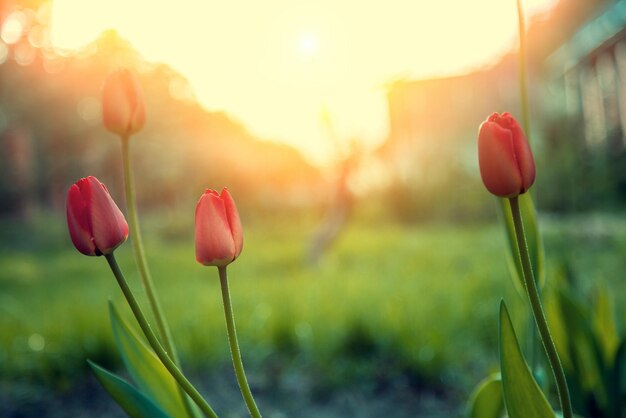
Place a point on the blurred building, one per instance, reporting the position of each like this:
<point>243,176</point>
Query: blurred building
<point>592,68</point>
<point>428,116</point>
<point>576,63</point>
<point>434,109</point>
<point>589,70</point>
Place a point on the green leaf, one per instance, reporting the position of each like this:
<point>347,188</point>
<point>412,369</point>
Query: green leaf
<point>617,379</point>
<point>585,367</point>
<point>604,326</point>
<point>133,402</point>
<point>533,241</point>
<point>145,368</point>
<point>487,401</point>
<point>620,368</point>
<point>585,351</point>
<point>522,395</point>
<point>558,329</point>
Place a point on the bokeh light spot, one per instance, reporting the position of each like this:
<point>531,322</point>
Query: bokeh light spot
<point>4,52</point>
<point>89,109</point>
<point>25,54</point>
<point>13,27</point>
<point>36,342</point>
<point>38,36</point>
<point>180,89</point>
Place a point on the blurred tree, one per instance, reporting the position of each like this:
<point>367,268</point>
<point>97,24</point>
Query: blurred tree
<point>51,132</point>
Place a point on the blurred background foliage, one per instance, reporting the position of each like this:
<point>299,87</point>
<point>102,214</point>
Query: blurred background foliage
<point>51,133</point>
<point>400,305</point>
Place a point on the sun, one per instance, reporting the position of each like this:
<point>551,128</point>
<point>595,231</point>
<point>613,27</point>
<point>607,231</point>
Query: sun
<point>276,65</point>
<point>307,45</point>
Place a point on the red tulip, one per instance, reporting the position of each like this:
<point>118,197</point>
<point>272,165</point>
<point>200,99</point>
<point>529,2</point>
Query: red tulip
<point>506,162</point>
<point>123,109</point>
<point>95,222</point>
<point>219,235</point>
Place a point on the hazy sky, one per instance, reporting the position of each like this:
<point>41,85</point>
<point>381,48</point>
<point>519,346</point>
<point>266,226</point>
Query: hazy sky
<point>275,64</point>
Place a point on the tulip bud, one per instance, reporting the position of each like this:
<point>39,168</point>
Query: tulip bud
<point>95,222</point>
<point>219,235</point>
<point>506,162</point>
<point>123,109</point>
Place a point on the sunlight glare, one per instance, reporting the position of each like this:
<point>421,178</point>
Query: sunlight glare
<point>267,66</point>
<point>307,45</point>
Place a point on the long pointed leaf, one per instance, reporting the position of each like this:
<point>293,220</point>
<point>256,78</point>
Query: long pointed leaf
<point>133,402</point>
<point>558,329</point>
<point>604,326</point>
<point>533,241</point>
<point>522,395</point>
<point>487,400</point>
<point>585,350</point>
<point>617,377</point>
<point>145,368</point>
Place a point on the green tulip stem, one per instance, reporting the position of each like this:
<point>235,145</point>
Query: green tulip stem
<point>538,313</point>
<point>154,341</point>
<point>142,265</point>
<point>234,346</point>
<point>523,73</point>
<point>140,256</point>
<point>523,92</point>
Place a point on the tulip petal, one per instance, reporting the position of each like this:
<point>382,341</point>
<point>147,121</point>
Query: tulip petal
<point>108,225</point>
<point>234,221</point>
<point>134,98</point>
<point>78,222</point>
<point>523,154</point>
<point>115,107</point>
<point>123,110</point>
<point>214,242</point>
<point>496,156</point>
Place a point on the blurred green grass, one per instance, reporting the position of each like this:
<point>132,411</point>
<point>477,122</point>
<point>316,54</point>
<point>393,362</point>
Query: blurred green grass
<point>389,299</point>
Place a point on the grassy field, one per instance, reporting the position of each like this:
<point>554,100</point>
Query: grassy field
<point>390,303</point>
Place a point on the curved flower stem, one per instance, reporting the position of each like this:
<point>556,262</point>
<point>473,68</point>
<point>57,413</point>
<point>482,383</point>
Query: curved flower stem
<point>234,346</point>
<point>538,313</point>
<point>523,92</point>
<point>533,346</point>
<point>523,73</point>
<point>142,265</point>
<point>154,341</point>
<point>140,256</point>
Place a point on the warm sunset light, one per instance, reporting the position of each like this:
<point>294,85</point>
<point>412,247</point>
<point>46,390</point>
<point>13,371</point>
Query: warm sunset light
<point>308,208</point>
<point>307,45</point>
<point>274,65</point>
